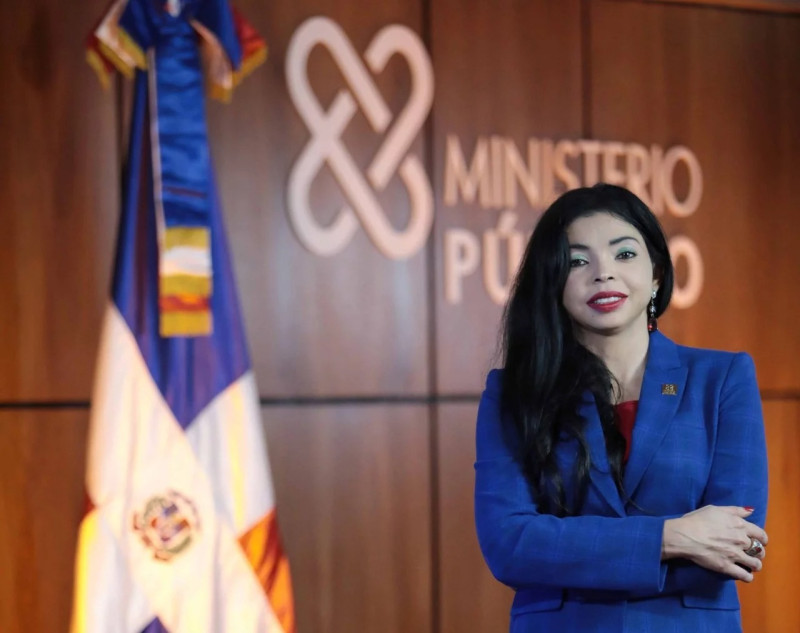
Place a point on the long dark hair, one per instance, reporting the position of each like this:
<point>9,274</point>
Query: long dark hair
<point>546,370</point>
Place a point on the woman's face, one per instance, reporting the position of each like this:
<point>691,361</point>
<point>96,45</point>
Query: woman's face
<point>610,280</point>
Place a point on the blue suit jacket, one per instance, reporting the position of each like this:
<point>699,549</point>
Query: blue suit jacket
<point>698,440</point>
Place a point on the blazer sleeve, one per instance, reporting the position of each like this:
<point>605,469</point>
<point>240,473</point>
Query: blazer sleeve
<point>523,547</point>
<point>738,475</point>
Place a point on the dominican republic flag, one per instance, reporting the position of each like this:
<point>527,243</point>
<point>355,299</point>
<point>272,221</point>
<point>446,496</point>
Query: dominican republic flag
<point>180,533</point>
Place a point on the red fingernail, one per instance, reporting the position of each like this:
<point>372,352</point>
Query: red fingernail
<point>749,508</point>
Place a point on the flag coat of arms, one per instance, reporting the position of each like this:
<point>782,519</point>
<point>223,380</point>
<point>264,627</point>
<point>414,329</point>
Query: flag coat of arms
<point>180,533</point>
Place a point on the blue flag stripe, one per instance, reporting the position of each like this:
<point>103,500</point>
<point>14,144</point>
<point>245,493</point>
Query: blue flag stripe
<point>155,627</point>
<point>189,372</point>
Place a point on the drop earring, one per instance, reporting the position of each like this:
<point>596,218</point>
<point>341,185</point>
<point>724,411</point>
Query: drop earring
<point>652,322</point>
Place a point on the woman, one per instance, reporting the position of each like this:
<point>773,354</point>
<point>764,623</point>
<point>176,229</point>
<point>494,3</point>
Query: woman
<point>621,479</point>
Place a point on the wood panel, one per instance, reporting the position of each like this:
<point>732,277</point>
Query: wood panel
<point>41,504</point>
<point>776,6</point>
<point>353,495</point>
<point>58,200</point>
<point>351,323</point>
<point>510,69</point>
<point>471,600</point>
<point>657,77</point>
<point>769,605</point>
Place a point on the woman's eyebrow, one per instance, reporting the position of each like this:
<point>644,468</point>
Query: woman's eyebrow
<point>616,240</point>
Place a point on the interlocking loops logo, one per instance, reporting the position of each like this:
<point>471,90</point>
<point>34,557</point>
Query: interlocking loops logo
<point>325,144</point>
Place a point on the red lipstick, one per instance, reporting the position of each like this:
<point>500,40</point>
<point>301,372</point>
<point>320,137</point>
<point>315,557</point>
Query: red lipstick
<point>606,301</point>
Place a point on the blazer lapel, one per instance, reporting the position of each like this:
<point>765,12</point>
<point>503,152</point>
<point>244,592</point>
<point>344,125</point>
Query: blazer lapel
<point>662,389</point>
<point>600,472</point>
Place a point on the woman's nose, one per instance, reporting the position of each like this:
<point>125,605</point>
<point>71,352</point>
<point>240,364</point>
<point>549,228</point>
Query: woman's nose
<point>603,269</point>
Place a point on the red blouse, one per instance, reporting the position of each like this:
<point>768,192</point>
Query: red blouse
<point>625,413</point>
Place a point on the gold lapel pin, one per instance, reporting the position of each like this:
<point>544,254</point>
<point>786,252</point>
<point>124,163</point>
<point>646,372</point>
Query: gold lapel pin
<point>669,389</point>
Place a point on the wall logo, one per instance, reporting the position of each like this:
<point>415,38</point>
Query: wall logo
<point>326,147</point>
<point>509,180</point>
<point>167,524</point>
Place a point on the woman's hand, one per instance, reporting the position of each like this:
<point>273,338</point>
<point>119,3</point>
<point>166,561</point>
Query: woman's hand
<point>715,537</point>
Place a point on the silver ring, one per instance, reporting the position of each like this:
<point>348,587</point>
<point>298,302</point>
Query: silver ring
<point>755,547</point>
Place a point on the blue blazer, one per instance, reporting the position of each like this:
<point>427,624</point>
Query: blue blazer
<point>698,440</point>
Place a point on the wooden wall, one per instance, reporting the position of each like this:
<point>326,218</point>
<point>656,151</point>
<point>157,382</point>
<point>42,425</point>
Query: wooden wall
<point>369,377</point>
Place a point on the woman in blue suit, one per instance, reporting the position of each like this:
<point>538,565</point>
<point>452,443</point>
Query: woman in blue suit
<point>621,479</point>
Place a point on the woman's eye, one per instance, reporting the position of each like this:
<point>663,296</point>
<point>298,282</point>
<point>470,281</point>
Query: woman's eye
<point>626,255</point>
<point>575,263</point>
